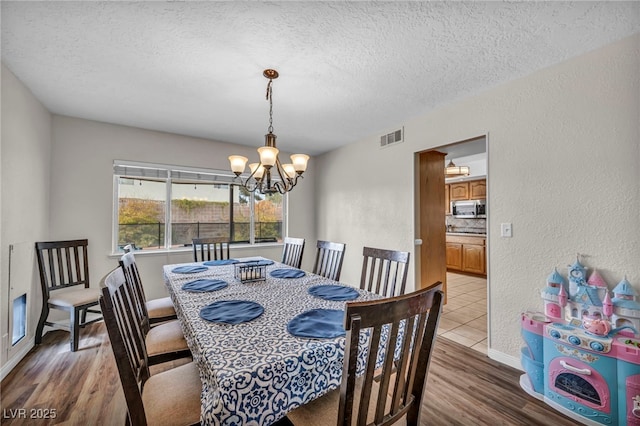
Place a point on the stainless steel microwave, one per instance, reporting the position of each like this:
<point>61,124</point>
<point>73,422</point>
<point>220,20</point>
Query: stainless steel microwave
<point>469,209</point>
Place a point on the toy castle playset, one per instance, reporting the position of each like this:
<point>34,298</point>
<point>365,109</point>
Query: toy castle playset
<point>582,355</point>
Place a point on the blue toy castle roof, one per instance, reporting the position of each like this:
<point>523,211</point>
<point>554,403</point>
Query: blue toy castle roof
<point>625,303</point>
<point>555,277</point>
<point>577,265</point>
<point>554,291</point>
<point>587,295</point>
<point>624,287</point>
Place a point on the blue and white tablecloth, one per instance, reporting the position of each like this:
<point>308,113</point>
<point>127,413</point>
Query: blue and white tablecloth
<point>253,373</point>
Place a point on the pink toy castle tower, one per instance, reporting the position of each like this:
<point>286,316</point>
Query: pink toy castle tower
<point>555,296</point>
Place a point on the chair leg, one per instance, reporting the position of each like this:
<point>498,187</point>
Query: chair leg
<point>43,318</point>
<point>75,329</point>
<point>83,316</point>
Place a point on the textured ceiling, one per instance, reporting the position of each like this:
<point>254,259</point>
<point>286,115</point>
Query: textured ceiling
<point>348,70</point>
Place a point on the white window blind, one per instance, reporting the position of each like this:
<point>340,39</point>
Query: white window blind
<point>154,171</point>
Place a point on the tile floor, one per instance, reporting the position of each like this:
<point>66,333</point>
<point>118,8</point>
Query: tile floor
<point>464,317</point>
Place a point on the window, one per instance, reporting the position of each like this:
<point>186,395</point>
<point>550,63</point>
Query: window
<point>159,207</point>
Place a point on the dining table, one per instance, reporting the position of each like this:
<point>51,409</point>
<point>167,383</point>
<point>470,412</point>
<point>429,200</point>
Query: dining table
<point>263,347</point>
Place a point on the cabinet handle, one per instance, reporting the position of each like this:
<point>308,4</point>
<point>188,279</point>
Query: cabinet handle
<point>584,371</point>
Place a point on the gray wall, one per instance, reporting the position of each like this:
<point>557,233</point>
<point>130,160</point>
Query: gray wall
<point>25,152</point>
<point>563,157</point>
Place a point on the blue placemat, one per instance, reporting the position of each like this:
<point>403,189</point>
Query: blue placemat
<point>334,292</point>
<point>318,323</point>
<point>258,262</point>
<point>205,285</point>
<point>220,262</point>
<point>231,311</point>
<point>189,269</point>
<point>287,273</point>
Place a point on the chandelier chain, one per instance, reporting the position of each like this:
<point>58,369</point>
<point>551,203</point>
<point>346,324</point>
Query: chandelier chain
<point>270,99</point>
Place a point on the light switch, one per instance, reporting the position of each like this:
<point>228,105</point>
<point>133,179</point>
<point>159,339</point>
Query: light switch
<point>505,230</point>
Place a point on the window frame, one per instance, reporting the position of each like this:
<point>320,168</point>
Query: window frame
<point>146,171</point>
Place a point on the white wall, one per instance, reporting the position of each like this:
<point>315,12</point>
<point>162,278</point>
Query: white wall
<point>82,188</point>
<point>25,151</point>
<point>563,157</point>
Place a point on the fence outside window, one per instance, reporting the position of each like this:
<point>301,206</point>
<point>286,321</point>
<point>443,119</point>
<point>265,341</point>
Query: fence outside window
<point>151,235</point>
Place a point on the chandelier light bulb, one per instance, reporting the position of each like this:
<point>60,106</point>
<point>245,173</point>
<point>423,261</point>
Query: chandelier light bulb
<point>289,170</point>
<point>268,155</point>
<point>238,163</point>
<point>300,162</point>
<point>257,170</point>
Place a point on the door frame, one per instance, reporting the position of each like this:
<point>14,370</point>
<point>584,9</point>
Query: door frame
<point>422,274</point>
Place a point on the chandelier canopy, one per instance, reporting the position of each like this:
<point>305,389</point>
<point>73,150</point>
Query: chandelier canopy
<point>260,180</point>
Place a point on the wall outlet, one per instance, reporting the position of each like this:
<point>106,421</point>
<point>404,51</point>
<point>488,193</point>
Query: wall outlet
<point>505,230</point>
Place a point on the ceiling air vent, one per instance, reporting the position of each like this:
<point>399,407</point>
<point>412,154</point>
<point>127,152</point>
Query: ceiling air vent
<point>391,138</point>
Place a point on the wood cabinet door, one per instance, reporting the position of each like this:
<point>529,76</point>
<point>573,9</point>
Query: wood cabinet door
<point>447,201</point>
<point>454,256</point>
<point>477,189</point>
<point>459,191</point>
<point>473,258</point>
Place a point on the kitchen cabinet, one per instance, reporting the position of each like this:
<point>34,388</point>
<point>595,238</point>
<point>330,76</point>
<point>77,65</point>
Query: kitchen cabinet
<point>459,191</point>
<point>478,189</point>
<point>467,190</point>
<point>473,258</point>
<point>466,254</point>
<point>454,256</point>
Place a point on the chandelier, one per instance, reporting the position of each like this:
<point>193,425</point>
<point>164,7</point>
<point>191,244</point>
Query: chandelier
<point>454,171</point>
<point>260,180</point>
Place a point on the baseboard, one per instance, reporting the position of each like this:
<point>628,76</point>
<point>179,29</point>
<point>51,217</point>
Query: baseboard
<point>503,358</point>
<point>15,359</point>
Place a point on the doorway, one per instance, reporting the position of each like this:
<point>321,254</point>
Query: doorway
<point>465,314</point>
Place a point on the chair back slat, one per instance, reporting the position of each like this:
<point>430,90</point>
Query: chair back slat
<point>388,368</point>
<point>402,366</point>
<point>406,327</point>
<point>127,341</point>
<point>292,251</point>
<point>329,259</point>
<point>384,272</point>
<point>209,249</point>
<point>132,277</point>
<point>62,264</point>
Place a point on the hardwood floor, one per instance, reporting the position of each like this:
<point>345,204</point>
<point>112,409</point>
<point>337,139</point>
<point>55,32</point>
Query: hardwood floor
<point>464,387</point>
<point>82,388</point>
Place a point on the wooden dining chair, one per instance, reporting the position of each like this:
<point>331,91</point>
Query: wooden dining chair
<point>394,381</point>
<point>164,341</point>
<point>329,259</point>
<point>158,310</point>
<point>169,397</point>
<point>64,279</point>
<point>384,271</point>
<point>209,249</point>
<point>292,251</point>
